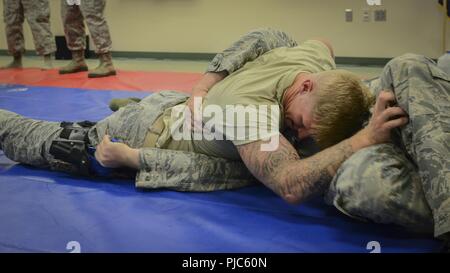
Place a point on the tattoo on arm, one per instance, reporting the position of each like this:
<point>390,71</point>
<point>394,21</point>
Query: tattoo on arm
<point>283,172</point>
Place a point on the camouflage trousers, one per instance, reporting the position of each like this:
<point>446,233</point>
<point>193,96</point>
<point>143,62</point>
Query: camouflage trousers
<point>73,20</point>
<point>423,90</point>
<point>28,141</point>
<point>37,13</point>
<point>406,183</point>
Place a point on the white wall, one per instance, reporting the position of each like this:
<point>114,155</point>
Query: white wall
<point>210,25</point>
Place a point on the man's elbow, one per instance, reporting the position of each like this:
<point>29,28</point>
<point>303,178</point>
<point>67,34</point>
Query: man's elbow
<point>292,199</point>
<point>290,194</point>
<point>289,189</point>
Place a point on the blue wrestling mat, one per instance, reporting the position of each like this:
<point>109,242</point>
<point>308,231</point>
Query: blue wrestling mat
<point>44,211</point>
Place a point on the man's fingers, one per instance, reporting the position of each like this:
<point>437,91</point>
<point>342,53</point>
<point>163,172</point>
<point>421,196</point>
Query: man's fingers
<point>106,139</point>
<point>391,113</point>
<point>99,158</point>
<point>396,123</point>
<point>384,100</point>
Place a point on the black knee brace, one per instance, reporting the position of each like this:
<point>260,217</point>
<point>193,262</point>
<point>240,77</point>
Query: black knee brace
<point>72,146</point>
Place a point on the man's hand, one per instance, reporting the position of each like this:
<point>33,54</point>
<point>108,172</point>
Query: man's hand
<point>385,118</point>
<point>200,90</point>
<point>115,155</point>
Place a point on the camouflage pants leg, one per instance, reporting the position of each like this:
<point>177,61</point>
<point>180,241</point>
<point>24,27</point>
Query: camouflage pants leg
<point>248,48</point>
<point>26,140</point>
<point>13,16</point>
<point>37,13</point>
<point>93,12</point>
<point>423,90</point>
<point>73,22</point>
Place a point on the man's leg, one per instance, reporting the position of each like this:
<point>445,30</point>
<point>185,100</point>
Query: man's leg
<point>59,146</point>
<point>37,13</point>
<point>93,11</point>
<point>72,19</point>
<point>26,140</point>
<point>423,91</point>
<point>380,184</point>
<point>13,17</point>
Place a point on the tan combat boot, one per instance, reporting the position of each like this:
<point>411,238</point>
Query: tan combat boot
<point>16,63</point>
<point>105,68</point>
<point>76,65</point>
<point>115,104</point>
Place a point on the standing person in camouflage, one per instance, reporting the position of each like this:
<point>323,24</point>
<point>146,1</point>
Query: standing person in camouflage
<point>73,15</point>
<point>37,13</point>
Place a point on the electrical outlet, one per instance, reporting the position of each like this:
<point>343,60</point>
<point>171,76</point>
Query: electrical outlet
<point>366,15</point>
<point>373,2</point>
<point>380,15</point>
<point>348,15</point>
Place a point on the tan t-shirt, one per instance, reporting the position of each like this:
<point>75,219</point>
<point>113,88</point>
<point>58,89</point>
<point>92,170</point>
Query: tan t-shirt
<point>247,105</point>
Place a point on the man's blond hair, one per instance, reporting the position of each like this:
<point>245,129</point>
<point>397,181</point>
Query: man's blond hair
<point>342,104</point>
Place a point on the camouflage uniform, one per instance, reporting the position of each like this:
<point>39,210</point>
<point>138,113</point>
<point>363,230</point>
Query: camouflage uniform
<point>37,13</point>
<point>28,141</point>
<point>248,48</point>
<point>92,11</point>
<point>407,183</point>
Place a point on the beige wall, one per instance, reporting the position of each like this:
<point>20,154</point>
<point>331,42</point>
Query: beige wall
<point>210,25</point>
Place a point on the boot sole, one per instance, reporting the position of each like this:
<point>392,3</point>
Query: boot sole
<point>112,73</point>
<point>81,69</point>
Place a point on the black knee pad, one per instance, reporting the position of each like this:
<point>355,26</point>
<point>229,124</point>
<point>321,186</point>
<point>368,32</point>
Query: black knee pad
<point>72,147</point>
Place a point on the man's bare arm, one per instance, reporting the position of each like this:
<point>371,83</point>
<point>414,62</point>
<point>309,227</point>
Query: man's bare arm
<point>208,80</point>
<point>291,178</point>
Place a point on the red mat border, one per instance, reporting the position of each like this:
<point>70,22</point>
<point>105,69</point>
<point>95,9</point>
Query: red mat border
<point>147,81</point>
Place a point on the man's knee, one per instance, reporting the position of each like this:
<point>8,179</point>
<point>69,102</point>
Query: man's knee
<point>403,67</point>
<point>409,59</point>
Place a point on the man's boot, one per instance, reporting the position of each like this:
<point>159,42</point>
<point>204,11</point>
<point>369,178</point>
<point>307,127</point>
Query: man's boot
<point>105,68</point>
<point>47,62</point>
<point>76,65</point>
<point>115,104</point>
<point>16,63</point>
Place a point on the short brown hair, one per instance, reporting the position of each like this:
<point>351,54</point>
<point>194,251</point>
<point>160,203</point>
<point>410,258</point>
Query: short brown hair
<point>341,107</point>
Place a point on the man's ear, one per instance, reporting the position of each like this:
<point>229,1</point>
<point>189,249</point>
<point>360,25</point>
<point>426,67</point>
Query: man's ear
<point>307,86</point>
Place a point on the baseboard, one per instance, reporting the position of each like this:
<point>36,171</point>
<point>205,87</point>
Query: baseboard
<point>362,61</point>
<point>209,56</point>
<point>4,52</point>
<point>165,55</point>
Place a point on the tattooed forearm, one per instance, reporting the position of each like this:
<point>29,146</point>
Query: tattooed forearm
<point>312,176</point>
<point>287,175</point>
